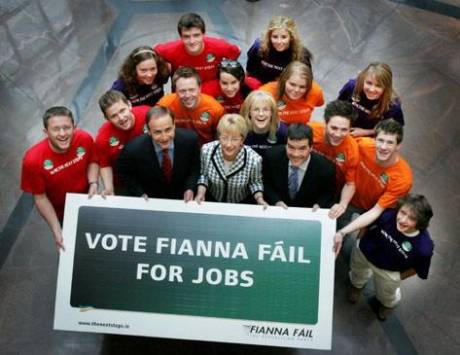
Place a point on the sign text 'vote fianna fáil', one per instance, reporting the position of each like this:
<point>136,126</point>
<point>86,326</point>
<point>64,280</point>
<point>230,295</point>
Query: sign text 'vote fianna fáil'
<point>216,272</point>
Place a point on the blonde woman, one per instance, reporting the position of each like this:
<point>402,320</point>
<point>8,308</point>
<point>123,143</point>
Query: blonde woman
<point>296,93</point>
<point>230,171</point>
<point>373,98</point>
<point>265,129</point>
<point>279,46</point>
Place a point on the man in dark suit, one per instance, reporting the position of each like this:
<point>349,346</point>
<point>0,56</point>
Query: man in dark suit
<point>295,176</point>
<point>164,163</point>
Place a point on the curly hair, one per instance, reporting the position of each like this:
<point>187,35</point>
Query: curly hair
<point>382,73</point>
<point>128,74</point>
<point>298,51</point>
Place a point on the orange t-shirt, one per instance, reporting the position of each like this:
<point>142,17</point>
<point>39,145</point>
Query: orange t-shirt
<point>345,156</point>
<point>203,119</point>
<point>376,184</point>
<point>296,111</point>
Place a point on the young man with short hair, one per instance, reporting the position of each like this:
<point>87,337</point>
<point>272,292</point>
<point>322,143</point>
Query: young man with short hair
<point>382,177</point>
<point>396,246</point>
<point>192,109</point>
<point>65,161</point>
<point>123,123</point>
<point>332,139</point>
<point>196,50</point>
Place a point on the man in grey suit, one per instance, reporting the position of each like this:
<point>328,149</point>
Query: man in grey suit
<point>165,163</point>
<point>295,176</point>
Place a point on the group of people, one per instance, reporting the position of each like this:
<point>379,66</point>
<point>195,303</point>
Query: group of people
<point>227,135</point>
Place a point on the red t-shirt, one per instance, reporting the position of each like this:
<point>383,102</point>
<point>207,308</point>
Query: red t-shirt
<point>55,174</point>
<point>296,111</point>
<point>230,104</point>
<point>203,119</point>
<point>345,156</point>
<point>110,140</point>
<point>376,184</point>
<point>205,63</point>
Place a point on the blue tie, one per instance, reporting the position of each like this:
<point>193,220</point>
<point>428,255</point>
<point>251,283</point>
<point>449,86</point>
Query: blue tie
<point>293,181</point>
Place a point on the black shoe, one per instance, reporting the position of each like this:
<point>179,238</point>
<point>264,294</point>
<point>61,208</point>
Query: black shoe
<point>354,293</point>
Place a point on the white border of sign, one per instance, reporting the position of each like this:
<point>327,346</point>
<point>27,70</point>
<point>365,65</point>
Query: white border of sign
<point>194,327</point>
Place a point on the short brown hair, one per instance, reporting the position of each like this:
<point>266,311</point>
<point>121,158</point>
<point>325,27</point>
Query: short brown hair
<point>109,98</point>
<point>421,209</point>
<point>57,111</point>
<point>390,126</point>
<point>185,72</point>
<point>190,20</point>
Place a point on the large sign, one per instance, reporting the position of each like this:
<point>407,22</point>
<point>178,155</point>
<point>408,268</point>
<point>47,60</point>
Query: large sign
<point>216,272</point>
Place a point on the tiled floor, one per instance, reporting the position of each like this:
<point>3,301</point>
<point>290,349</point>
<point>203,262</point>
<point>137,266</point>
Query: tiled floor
<point>68,52</point>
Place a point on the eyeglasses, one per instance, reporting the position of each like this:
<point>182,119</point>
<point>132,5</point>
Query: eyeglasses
<point>228,63</point>
<point>259,110</point>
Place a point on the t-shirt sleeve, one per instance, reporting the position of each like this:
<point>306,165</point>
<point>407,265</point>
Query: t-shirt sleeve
<point>270,88</point>
<point>347,91</point>
<point>232,51</point>
<point>397,188</point>
<point>422,266</point>
<point>218,113</point>
<point>395,112</point>
<point>140,112</point>
<point>94,152</point>
<point>353,160</point>
<point>119,85</point>
<point>253,58</point>
<point>31,179</point>
<point>162,50</point>
<point>210,88</point>
<point>166,101</point>
<point>317,94</point>
<point>102,149</point>
<point>386,216</point>
<point>252,83</point>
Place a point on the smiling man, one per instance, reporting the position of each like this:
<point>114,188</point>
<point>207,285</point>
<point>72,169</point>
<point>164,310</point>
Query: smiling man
<point>382,177</point>
<point>332,139</point>
<point>295,176</point>
<point>392,249</point>
<point>165,163</point>
<point>192,109</point>
<point>65,161</point>
<point>196,50</point>
<point>123,124</point>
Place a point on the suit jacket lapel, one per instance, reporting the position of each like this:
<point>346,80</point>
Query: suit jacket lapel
<point>284,174</point>
<point>217,160</point>
<point>151,158</point>
<point>309,181</point>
